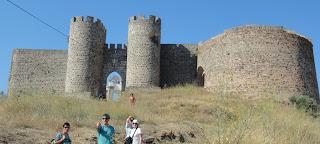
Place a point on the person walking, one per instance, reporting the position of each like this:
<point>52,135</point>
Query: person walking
<point>105,132</point>
<point>132,100</point>
<point>63,137</point>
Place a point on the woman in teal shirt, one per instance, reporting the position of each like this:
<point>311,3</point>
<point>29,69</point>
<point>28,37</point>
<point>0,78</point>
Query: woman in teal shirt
<point>63,138</point>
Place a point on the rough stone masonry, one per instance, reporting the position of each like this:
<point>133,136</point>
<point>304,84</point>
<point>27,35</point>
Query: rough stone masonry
<point>246,60</point>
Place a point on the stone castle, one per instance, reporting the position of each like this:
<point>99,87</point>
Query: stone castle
<point>248,60</point>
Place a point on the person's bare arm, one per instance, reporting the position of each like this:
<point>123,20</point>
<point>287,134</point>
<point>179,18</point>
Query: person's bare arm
<point>97,125</point>
<point>60,140</point>
<point>141,139</point>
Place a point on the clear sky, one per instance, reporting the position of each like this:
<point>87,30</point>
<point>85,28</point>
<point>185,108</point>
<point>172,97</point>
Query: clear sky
<point>183,21</point>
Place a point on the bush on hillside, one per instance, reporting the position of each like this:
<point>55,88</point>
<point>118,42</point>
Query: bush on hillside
<point>306,103</point>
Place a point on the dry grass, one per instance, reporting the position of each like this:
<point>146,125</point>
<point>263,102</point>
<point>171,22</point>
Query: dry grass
<point>220,118</point>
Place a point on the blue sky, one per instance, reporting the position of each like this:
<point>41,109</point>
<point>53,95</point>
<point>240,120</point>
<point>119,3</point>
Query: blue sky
<point>183,21</point>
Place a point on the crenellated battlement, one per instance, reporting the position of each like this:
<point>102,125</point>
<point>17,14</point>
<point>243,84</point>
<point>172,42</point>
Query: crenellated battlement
<point>87,19</point>
<point>115,46</point>
<point>141,18</point>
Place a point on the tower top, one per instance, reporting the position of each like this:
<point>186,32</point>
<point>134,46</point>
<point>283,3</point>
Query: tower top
<point>86,19</point>
<point>142,18</point>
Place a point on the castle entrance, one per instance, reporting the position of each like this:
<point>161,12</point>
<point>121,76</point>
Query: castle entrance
<point>113,86</point>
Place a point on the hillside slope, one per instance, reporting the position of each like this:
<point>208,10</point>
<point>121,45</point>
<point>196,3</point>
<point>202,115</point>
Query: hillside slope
<point>175,115</point>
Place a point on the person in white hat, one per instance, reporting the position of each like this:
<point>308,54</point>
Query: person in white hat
<point>136,133</point>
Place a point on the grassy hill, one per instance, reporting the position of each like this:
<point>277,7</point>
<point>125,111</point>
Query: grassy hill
<point>182,114</point>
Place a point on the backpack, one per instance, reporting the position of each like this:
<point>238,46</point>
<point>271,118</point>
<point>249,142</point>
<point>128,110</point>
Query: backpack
<point>52,140</point>
<point>129,139</point>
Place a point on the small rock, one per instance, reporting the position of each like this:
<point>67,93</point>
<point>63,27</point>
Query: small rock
<point>163,135</point>
<point>191,134</point>
<point>171,135</point>
<point>167,136</point>
<point>181,139</point>
<point>149,140</point>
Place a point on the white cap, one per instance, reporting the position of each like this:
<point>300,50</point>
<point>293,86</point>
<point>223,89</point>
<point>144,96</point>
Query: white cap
<point>135,121</point>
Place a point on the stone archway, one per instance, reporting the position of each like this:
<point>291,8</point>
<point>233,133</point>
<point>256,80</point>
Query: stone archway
<point>113,86</point>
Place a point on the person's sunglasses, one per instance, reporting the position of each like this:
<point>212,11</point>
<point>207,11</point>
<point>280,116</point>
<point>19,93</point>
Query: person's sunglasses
<point>134,123</point>
<point>66,127</point>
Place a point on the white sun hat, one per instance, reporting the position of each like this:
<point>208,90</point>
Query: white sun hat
<point>135,121</point>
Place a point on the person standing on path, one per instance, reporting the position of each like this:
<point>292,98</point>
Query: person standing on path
<point>63,137</point>
<point>136,133</point>
<point>129,125</point>
<point>105,132</point>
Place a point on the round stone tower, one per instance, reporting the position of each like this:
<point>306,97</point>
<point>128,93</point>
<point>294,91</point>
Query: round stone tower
<point>143,58</point>
<point>259,61</point>
<point>85,56</point>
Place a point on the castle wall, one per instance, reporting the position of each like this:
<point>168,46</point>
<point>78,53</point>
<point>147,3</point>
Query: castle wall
<point>248,60</point>
<point>143,57</point>
<point>258,60</point>
<point>178,64</point>
<point>115,60</point>
<point>85,56</point>
<point>37,72</point>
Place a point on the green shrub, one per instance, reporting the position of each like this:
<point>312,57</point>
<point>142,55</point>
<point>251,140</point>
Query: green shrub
<point>305,103</point>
